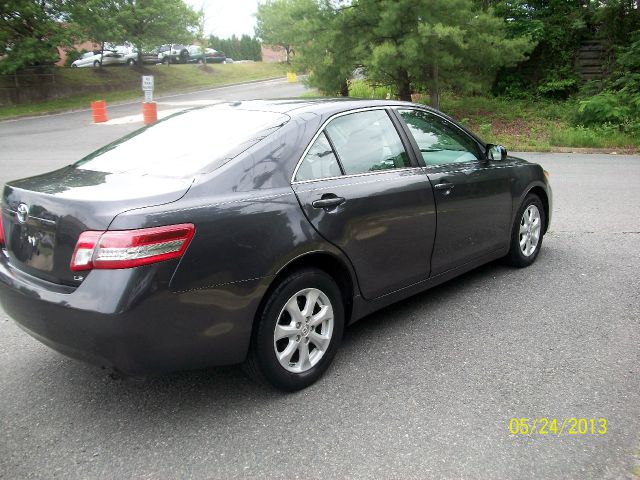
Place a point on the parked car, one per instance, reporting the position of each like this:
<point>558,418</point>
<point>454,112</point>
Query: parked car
<point>95,59</point>
<point>128,55</point>
<point>293,220</point>
<point>150,56</point>
<point>196,55</point>
<point>173,53</point>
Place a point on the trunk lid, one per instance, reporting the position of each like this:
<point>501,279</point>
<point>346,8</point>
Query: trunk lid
<point>43,216</point>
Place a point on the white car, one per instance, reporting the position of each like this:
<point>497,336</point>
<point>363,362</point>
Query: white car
<point>93,59</point>
<point>128,55</point>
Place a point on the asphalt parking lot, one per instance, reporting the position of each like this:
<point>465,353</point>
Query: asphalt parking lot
<point>423,389</point>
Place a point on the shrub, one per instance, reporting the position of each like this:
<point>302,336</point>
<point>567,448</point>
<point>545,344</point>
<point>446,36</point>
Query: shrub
<point>361,89</point>
<point>558,88</point>
<point>619,108</point>
<point>72,56</point>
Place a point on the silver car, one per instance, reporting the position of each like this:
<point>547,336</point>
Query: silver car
<point>95,59</point>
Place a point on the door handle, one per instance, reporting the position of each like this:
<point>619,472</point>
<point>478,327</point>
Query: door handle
<point>328,202</point>
<point>444,186</point>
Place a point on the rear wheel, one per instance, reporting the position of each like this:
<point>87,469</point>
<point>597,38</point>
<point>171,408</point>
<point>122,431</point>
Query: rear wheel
<point>298,332</point>
<point>527,233</point>
<point>96,64</point>
<point>131,62</point>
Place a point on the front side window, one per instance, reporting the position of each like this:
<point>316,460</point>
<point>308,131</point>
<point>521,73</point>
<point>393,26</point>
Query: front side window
<point>367,142</point>
<point>319,162</point>
<point>440,142</point>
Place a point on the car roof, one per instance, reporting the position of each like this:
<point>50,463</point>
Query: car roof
<point>319,106</point>
<point>327,107</point>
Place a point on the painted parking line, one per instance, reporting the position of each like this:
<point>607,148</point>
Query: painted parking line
<point>165,112</point>
<point>137,118</point>
<point>191,103</point>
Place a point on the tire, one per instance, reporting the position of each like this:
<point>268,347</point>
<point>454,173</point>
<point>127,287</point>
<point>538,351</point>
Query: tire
<point>131,62</point>
<point>166,61</point>
<point>297,370</point>
<point>96,64</point>
<point>74,66</point>
<point>527,232</point>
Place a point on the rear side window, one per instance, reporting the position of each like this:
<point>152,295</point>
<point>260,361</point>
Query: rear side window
<point>367,142</point>
<point>319,162</point>
<point>440,142</point>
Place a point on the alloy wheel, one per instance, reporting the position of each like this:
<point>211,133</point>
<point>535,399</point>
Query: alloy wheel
<point>303,331</point>
<point>530,228</point>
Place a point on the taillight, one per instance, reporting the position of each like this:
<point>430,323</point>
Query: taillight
<point>130,248</point>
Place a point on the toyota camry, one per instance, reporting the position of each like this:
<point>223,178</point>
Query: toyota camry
<point>257,245</point>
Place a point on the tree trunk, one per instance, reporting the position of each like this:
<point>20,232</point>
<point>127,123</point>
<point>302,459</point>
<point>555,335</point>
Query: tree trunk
<point>101,53</point>
<point>139,62</point>
<point>344,88</point>
<point>404,85</point>
<point>434,89</point>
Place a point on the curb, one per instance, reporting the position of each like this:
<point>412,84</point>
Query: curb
<point>586,151</point>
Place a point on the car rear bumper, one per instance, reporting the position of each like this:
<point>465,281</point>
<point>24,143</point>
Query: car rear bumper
<point>129,321</point>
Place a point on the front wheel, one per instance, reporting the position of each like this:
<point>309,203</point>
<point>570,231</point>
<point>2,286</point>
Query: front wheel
<point>527,233</point>
<point>298,331</point>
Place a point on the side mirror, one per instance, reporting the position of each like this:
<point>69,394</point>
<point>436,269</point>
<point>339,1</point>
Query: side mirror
<point>496,153</point>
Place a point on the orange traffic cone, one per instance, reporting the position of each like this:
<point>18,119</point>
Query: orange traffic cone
<point>149,112</point>
<point>99,110</point>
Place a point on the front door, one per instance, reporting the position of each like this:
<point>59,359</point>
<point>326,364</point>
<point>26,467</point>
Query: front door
<point>360,191</point>
<point>472,195</point>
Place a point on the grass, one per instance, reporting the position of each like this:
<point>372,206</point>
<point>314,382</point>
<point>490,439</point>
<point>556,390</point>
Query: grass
<point>524,125</point>
<point>519,125</point>
<point>114,84</point>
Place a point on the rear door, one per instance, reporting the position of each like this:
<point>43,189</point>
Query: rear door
<point>361,191</point>
<point>473,195</point>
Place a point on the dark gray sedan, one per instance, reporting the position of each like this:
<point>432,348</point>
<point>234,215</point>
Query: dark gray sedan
<point>259,244</point>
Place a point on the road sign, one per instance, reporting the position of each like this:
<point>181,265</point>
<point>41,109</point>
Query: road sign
<point>148,96</point>
<point>147,82</point>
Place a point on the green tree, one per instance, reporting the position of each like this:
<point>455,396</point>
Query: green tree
<point>558,27</point>
<point>278,23</point>
<point>147,23</point>
<point>98,20</point>
<point>406,44</point>
<point>434,44</point>
<point>617,20</point>
<point>325,47</point>
<point>30,33</point>
<point>243,48</point>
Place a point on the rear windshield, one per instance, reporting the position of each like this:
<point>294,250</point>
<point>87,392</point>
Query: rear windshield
<point>188,143</point>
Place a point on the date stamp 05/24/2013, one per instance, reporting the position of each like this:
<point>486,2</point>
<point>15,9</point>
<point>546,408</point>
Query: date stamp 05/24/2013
<point>556,427</point>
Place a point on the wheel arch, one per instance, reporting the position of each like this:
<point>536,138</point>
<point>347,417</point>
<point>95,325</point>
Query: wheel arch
<point>544,198</point>
<point>331,264</point>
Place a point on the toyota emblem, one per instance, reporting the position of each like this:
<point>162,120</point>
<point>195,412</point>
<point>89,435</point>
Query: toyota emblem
<point>23,212</point>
